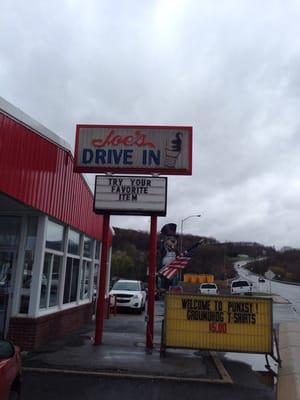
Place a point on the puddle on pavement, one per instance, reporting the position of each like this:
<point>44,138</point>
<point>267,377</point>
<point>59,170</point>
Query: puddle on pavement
<point>257,362</point>
<point>267,378</point>
<point>77,341</point>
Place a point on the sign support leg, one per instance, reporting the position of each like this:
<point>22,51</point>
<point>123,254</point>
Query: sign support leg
<point>100,310</point>
<point>151,284</point>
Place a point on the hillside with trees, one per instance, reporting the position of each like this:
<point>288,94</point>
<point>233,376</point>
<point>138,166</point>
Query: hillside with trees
<point>130,254</point>
<point>285,264</point>
<point>130,257</point>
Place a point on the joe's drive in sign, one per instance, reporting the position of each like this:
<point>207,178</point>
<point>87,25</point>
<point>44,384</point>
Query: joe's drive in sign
<point>134,149</point>
<point>133,195</point>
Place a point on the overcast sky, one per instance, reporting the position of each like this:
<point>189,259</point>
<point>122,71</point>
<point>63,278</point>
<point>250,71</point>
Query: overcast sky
<point>230,69</point>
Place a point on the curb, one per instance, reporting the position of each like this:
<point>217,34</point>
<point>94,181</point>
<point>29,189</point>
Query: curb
<point>106,374</point>
<point>225,378</point>
<point>288,384</point>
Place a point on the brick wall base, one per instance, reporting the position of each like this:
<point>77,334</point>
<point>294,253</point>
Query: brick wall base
<point>31,333</point>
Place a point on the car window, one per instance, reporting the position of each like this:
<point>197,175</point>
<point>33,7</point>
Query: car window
<point>240,283</point>
<point>208,286</point>
<point>6,349</point>
<point>134,286</point>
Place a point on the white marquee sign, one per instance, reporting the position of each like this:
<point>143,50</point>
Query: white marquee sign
<point>132,195</point>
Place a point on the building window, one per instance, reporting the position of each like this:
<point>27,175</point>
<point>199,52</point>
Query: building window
<point>55,281</point>
<point>9,231</point>
<point>50,280</point>
<point>96,279</point>
<point>26,282</point>
<point>73,242</point>
<point>85,279</point>
<point>28,264</point>
<point>87,247</point>
<point>97,253</point>
<point>54,236</point>
<point>31,233</point>
<point>71,280</point>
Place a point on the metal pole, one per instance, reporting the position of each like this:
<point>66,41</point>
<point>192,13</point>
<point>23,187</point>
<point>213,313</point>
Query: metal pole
<point>100,310</point>
<point>181,236</point>
<point>181,247</point>
<point>151,283</point>
<point>181,230</point>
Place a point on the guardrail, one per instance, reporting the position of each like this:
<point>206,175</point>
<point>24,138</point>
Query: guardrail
<point>286,282</point>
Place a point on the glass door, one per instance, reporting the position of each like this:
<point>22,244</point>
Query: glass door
<point>7,267</point>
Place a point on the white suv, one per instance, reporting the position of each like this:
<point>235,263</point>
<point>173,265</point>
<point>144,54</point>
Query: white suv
<point>129,294</point>
<point>240,286</point>
<point>208,288</point>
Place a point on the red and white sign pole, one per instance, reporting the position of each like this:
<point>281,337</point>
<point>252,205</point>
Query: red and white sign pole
<point>151,283</point>
<point>100,310</point>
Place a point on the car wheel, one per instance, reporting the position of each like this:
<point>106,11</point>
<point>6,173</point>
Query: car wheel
<point>140,309</point>
<point>13,395</point>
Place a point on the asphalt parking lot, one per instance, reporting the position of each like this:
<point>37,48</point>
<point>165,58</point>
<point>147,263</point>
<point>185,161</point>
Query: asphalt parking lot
<point>73,368</point>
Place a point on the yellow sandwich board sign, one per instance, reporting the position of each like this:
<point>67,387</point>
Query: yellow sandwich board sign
<point>220,323</point>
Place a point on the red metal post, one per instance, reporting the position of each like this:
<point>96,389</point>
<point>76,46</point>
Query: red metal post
<point>100,310</point>
<point>151,283</point>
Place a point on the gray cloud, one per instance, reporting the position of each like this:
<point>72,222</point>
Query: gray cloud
<point>231,70</point>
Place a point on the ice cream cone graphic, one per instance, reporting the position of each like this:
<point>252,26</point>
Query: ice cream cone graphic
<point>173,149</point>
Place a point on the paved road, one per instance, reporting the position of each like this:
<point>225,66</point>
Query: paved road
<point>282,312</point>
<point>68,387</point>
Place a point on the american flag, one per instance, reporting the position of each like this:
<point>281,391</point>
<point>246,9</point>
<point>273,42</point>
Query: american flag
<point>170,270</point>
